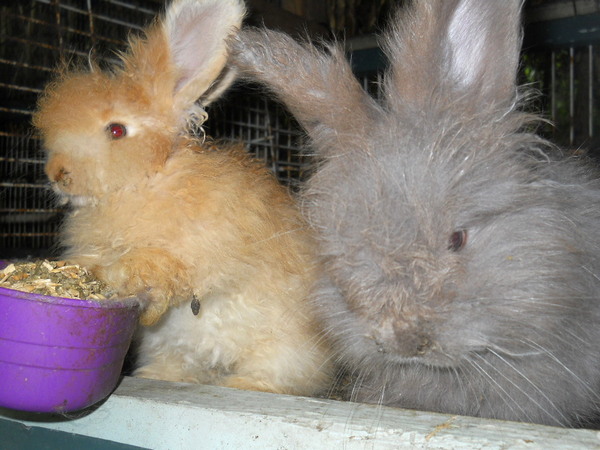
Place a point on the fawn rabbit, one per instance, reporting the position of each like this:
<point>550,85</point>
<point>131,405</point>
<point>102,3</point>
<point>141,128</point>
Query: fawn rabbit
<point>157,214</point>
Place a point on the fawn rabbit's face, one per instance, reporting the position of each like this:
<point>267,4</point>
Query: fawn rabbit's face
<point>101,134</point>
<point>105,131</point>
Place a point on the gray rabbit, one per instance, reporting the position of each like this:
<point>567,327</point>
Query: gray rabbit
<point>462,250</point>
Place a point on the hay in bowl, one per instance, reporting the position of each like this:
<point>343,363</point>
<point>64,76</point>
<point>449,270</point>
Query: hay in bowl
<point>54,278</point>
<point>63,337</point>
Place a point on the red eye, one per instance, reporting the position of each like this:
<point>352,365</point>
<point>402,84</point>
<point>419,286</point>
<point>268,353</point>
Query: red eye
<point>116,130</point>
<point>458,240</point>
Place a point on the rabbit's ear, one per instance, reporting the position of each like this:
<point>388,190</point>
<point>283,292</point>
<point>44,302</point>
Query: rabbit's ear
<point>456,47</point>
<point>197,33</point>
<point>317,86</point>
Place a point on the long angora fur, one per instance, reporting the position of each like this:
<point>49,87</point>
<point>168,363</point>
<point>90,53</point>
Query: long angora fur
<point>461,251</point>
<point>160,215</point>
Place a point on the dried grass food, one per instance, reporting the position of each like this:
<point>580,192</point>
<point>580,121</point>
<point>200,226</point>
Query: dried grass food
<point>54,278</point>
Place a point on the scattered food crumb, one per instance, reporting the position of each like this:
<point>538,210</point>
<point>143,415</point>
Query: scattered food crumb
<point>443,426</point>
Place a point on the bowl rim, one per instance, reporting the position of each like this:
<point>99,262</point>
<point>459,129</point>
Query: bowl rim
<point>126,302</point>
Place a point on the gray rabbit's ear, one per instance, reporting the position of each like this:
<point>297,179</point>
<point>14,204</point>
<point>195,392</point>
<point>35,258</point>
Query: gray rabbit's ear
<point>460,48</point>
<point>197,33</point>
<point>317,86</point>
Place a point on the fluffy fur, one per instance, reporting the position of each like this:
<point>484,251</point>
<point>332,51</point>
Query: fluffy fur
<point>461,251</point>
<point>159,215</point>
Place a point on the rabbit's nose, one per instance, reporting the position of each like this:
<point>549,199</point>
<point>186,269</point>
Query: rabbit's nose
<point>57,172</point>
<point>62,176</point>
<point>410,342</point>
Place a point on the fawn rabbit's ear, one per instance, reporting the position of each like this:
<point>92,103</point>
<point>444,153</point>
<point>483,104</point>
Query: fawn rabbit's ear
<point>197,33</point>
<point>463,48</point>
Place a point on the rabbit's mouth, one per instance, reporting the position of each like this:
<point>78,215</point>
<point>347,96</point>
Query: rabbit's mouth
<point>76,201</point>
<point>431,358</point>
<point>411,348</point>
<point>79,201</point>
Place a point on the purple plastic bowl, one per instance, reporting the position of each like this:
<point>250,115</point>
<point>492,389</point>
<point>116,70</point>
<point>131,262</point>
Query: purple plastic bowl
<point>60,354</point>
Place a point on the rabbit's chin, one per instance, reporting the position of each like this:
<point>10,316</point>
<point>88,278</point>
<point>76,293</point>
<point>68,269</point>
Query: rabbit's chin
<point>381,353</point>
<point>78,201</point>
<point>431,360</point>
<point>425,350</point>
<point>73,200</point>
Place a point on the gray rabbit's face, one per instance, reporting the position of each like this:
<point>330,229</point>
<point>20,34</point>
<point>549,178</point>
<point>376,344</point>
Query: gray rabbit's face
<point>424,249</point>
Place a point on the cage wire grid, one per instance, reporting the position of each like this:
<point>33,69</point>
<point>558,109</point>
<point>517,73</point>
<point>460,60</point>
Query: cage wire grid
<point>34,36</point>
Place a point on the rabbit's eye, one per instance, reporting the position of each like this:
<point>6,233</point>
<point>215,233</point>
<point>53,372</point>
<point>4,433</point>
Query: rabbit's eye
<point>458,240</point>
<point>116,130</point>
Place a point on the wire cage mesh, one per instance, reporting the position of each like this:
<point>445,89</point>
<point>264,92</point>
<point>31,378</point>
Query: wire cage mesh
<point>267,129</point>
<point>34,36</point>
<point>567,77</point>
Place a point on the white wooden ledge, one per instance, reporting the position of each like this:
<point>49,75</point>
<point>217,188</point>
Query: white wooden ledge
<point>163,415</point>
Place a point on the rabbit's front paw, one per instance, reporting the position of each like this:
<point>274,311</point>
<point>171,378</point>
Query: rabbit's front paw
<point>155,303</point>
<point>153,275</point>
